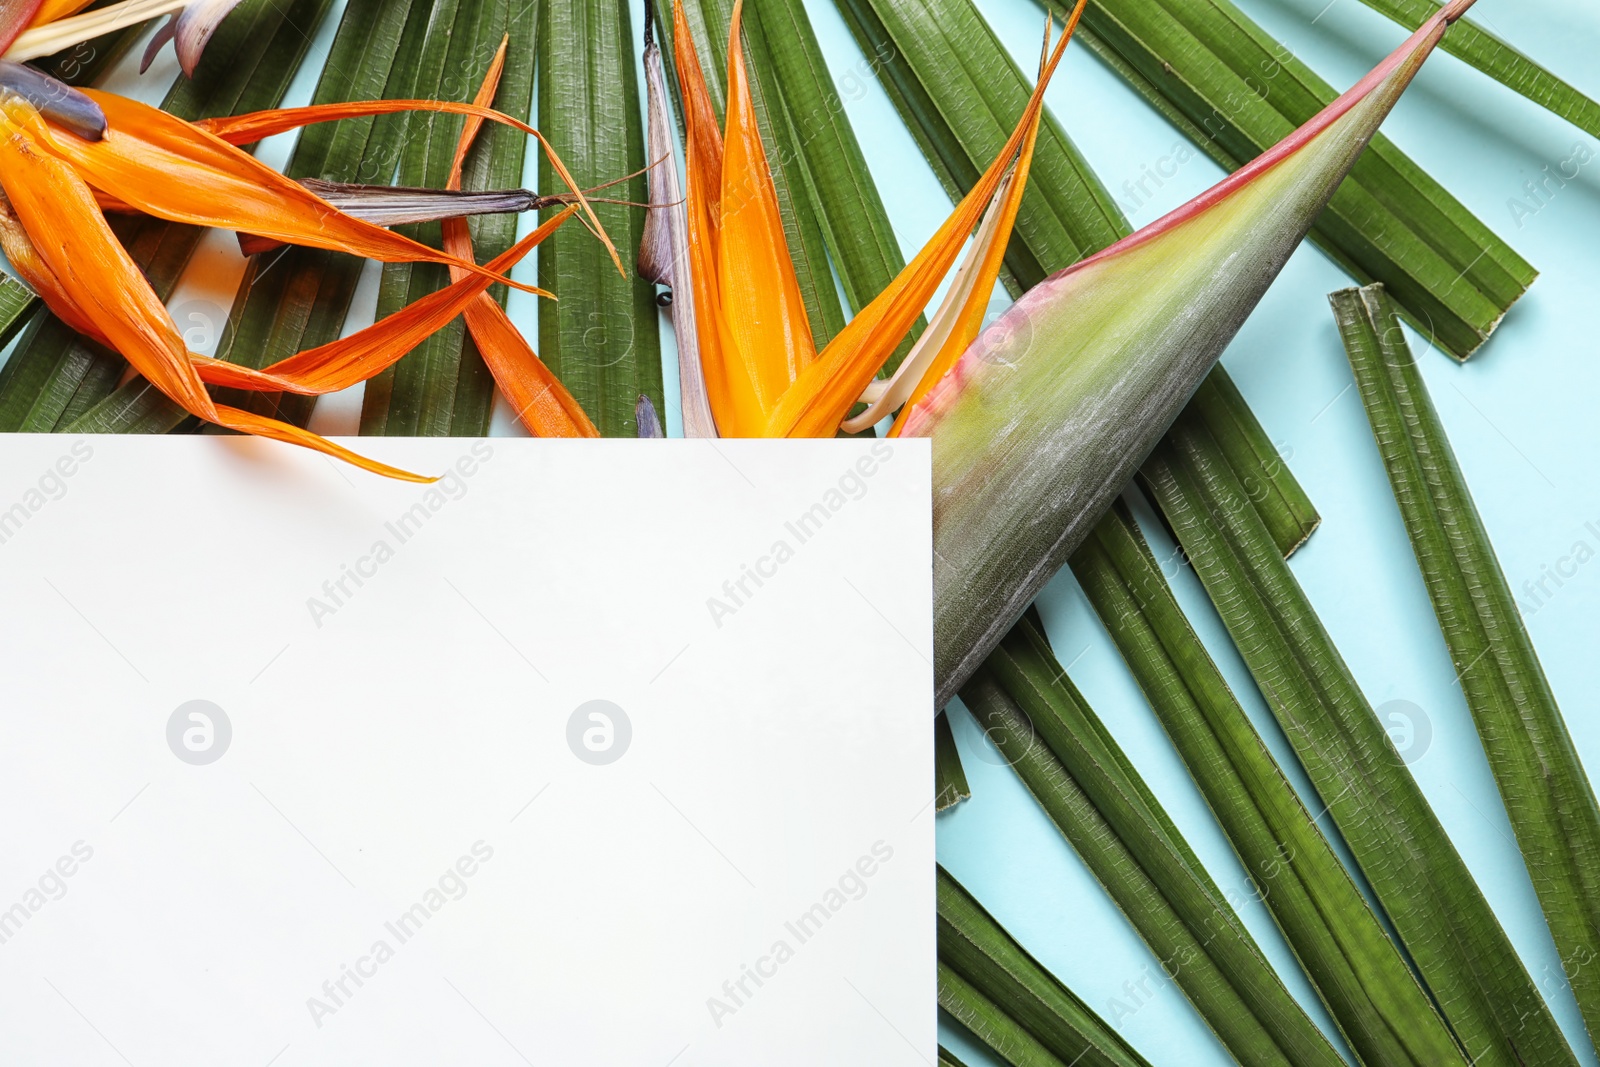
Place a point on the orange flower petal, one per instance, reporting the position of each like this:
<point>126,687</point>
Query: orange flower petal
<point>970,319</point>
<point>261,426</point>
<point>826,390</point>
<point>474,123</point>
<point>541,402</point>
<point>349,360</point>
<point>25,260</point>
<point>99,281</point>
<point>761,301</point>
<point>94,272</point>
<point>734,403</point>
<point>168,168</point>
<point>51,10</point>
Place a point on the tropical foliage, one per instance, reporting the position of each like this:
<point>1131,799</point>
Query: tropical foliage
<point>797,312</point>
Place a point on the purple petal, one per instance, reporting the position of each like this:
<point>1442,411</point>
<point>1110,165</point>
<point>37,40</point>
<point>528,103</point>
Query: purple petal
<point>57,101</point>
<point>644,413</point>
<point>195,27</point>
<point>153,49</point>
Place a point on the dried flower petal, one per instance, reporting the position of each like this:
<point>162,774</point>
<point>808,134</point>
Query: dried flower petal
<point>167,31</point>
<point>664,250</point>
<point>393,205</point>
<point>644,413</point>
<point>194,29</point>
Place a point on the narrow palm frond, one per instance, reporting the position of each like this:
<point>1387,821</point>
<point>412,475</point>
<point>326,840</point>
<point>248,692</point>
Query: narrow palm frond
<point>1424,887</point>
<point>1541,778</point>
<point>1097,799</point>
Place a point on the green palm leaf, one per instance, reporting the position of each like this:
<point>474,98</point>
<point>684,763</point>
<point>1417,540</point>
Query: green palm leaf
<point>1427,892</point>
<point>1547,795</point>
<point>1099,802</point>
<point>799,204</point>
<point>948,1058</point>
<point>442,387</point>
<point>859,236</point>
<point>989,1023</point>
<point>298,298</point>
<point>960,90</point>
<point>1477,46</point>
<point>16,300</point>
<point>602,337</point>
<point>949,779</point>
<point>1361,976</point>
<point>977,950</point>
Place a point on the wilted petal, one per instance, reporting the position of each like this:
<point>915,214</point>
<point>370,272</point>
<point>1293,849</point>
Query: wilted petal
<point>389,205</point>
<point>168,30</point>
<point>1043,421</point>
<point>195,27</point>
<point>56,100</point>
<point>664,250</point>
<point>392,205</point>
<point>644,413</point>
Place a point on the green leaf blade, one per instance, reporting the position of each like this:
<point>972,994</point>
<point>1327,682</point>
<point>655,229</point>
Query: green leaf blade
<point>1502,62</point>
<point>949,778</point>
<point>1424,887</point>
<point>423,395</point>
<point>847,203</point>
<point>1548,797</point>
<point>601,337</point>
<point>977,949</point>
<point>298,298</point>
<point>1362,978</point>
<point>1095,796</point>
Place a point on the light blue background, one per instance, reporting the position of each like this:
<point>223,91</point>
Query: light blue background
<point>1520,414</point>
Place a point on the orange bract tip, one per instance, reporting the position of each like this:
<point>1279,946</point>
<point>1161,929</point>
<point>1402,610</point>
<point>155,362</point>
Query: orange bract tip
<point>763,375</point>
<point>474,123</point>
<point>761,301</point>
<point>260,426</point>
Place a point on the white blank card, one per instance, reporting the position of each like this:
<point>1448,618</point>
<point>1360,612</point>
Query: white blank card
<point>605,753</point>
